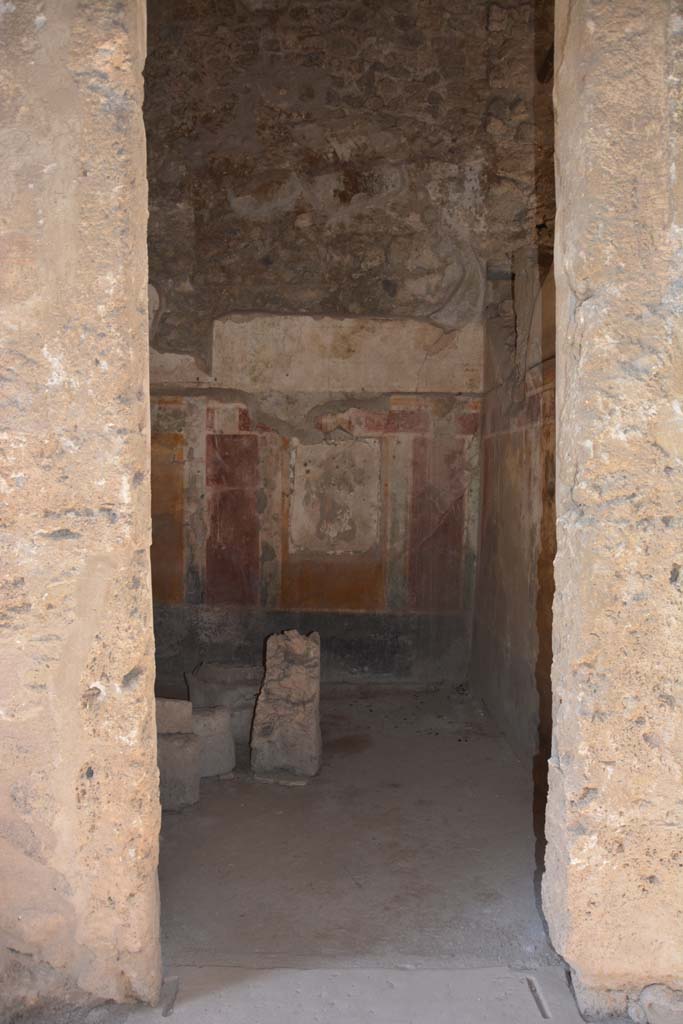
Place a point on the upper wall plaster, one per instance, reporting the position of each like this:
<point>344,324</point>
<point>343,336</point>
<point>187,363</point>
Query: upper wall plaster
<point>340,158</point>
<point>303,354</point>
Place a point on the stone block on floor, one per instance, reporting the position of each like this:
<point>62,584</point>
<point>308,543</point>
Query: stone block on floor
<point>234,687</point>
<point>216,745</point>
<point>173,715</point>
<point>286,731</point>
<point>242,701</point>
<point>178,760</point>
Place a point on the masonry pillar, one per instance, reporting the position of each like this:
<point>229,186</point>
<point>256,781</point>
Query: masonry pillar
<point>79,809</point>
<point>613,888</point>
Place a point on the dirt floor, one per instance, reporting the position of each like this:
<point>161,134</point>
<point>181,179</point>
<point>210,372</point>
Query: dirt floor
<point>398,886</point>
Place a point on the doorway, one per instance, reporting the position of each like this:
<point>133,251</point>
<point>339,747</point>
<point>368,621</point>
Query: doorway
<point>353,434</point>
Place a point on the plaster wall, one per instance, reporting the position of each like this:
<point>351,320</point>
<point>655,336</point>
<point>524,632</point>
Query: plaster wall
<point>289,490</point>
<point>330,183</point>
<point>612,889</point>
<point>79,808</point>
<point>511,643</point>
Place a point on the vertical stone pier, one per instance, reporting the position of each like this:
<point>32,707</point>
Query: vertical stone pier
<point>79,807</point>
<point>614,871</point>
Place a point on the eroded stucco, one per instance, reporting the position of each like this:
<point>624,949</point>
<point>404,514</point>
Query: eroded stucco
<point>338,158</point>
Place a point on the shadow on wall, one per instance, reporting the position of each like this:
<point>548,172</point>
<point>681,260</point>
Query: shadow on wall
<point>544,62</point>
<point>544,655</point>
<point>512,634</point>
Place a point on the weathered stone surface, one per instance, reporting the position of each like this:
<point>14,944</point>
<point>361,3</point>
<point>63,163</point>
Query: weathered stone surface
<point>173,715</point>
<point>286,731</point>
<point>178,758</point>
<point>612,888</point>
<point>661,1005</point>
<point>79,804</point>
<point>216,743</point>
<point>218,684</point>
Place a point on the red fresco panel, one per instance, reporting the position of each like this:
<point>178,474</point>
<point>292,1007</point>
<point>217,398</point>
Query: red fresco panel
<point>437,525</point>
<point>232,548</point>
<point>408,421</point>
<point>168,494</point>
<point>231,460</point>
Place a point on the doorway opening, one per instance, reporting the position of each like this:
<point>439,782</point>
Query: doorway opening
<point>352,377</point>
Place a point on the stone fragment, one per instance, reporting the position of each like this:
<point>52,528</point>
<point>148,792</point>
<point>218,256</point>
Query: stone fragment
<point>173,715</point>
<point>234,687</point>
<point>286,731</point>
<point>662,1005</point>
<point>216,744</point>
<point>178,760</point>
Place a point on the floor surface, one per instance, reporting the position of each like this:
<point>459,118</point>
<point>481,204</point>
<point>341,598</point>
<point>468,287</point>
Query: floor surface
<point>414,846</point>
<point>395,888</point>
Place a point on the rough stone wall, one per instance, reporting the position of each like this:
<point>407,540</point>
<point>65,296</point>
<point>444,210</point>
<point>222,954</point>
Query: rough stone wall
<point>289,490</point>
<point>304,153</point>
<point>79,810</point>
<point>345,157</point>
<point>612,889</point>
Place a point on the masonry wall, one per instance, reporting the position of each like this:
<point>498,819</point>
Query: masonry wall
<point>612,890</point>
<point>365,164</point>
<point>79,808</point>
